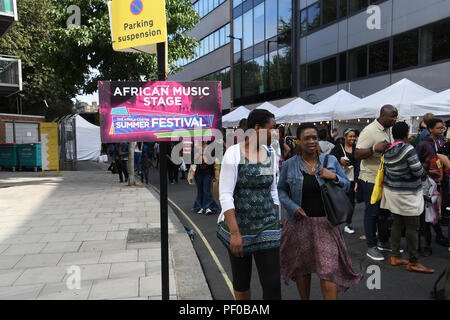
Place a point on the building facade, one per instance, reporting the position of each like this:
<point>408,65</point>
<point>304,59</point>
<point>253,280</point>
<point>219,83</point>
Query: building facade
<point>281,49</point>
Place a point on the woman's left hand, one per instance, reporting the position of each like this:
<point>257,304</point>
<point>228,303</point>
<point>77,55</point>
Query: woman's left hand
<point>327,174</point>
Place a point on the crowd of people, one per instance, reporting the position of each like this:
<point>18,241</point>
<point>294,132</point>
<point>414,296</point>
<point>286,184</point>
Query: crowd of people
<point>258,180</point>
<point>415,199</point>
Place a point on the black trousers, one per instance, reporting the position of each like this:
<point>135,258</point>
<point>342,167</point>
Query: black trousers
<point>172,171</point>
<point>268,265</point>
<point>122,168</point>
<point>351,194</point>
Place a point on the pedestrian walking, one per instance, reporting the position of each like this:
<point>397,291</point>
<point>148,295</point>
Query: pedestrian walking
<point>204,174</point>
<point>249,224</point>
<point>403,196</point>
<point>427,151</point>
<point>121,159</point>
<point>309,242</point>
<point>372,142</point>
<point>172,167</point>
<point>345,153</point>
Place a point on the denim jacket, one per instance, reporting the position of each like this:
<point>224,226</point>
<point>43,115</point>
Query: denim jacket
<point>290,184</point>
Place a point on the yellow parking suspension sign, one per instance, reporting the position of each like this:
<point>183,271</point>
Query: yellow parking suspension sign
<point>137,25</point>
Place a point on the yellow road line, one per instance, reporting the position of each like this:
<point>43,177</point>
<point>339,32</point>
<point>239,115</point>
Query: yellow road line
<point>208,246</point>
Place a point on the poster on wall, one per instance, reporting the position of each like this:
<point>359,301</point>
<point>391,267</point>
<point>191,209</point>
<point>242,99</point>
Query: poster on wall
<point>159,110</point>
<point>49,146</point>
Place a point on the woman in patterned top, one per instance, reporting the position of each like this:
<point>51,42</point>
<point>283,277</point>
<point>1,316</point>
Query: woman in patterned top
<point>249,224</point>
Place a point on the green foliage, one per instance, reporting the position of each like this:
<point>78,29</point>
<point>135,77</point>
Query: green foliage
<point>39,80</point>
<point>89,47</point>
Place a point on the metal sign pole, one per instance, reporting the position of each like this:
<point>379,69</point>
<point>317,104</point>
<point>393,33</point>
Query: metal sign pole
<point>163,189</point>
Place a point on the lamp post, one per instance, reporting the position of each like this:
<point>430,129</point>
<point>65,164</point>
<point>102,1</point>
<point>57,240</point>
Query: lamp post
<point>242,63</point>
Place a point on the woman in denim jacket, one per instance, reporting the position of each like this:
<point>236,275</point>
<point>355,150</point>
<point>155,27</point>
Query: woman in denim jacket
<point>309,242</point>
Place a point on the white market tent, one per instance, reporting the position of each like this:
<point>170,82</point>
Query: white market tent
<point>269,107</point>
<point>438,104</point>
<point>326,109</point>
<point>294,111</point>
<point>88,139</point>
<point>401,95</point>
<point>232,119</point>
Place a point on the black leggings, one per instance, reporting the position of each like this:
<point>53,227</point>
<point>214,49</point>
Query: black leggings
<point>268,265</point>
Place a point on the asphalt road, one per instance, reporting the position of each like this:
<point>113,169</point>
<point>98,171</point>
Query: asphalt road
<point>396,283</point>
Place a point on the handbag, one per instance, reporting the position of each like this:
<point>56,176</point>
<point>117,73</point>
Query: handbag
<point>377,192</point>
<point>336,203</point>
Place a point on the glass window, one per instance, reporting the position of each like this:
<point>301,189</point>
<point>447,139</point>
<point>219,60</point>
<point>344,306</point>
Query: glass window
<point>216,39</point>
<point>314,16</point>
<point>259,64</point>
<point>258,15</point>
<point>211,42</point>
<point>435,42</point>
<point>202,8</point>
<point>227,33</point>
<point>236,3</point>
<point>210,5</point>
<point>272,70</point>
<point>329,70</point>
<point>303,77</point>
<point>343,66</point>
<point>237,33</point>
<point>237,80</point>
<point>358,63</point>
<point>379,57</point>
<point>406,50</point>
<point>314,74</point>
<point>342,8</point>
<point>303,21</point>
<point>271,19</point>
<point>284,15</point>
<point>196,7</point>
<point>216,3</point>
<point>329,11</point>
<point>357,5</point>
<point>284,67</point>
<point>248,29</point>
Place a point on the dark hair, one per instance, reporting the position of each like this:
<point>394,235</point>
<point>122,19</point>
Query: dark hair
<point>259,116</point>
<point>323,134</point>
<point>400,130</point>
<point>243,123</point>
<point>432,122</point>
<point>303,127</point>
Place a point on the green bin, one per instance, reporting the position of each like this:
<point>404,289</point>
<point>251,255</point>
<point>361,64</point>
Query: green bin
<point>8,156</point>
<point>29,155</point>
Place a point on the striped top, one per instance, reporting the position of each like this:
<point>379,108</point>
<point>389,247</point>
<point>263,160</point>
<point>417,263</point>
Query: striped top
<point>402,169</point>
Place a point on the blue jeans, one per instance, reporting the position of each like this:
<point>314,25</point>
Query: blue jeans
<point>204,198</point>
<point>137,161</point>
<point>374,217</point>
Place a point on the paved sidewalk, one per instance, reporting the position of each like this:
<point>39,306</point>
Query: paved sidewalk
<point>50,226</point>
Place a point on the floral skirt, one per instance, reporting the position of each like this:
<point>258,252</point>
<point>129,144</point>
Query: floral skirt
<point>313,245</point>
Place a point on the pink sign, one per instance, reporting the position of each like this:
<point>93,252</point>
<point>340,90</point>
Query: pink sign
<point>159,110</point>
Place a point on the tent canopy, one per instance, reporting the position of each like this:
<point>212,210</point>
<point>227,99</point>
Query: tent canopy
<point>88,139</point>
<point>325,110</point>
<point>232,119</point>
<point>400,95</point>
<point>294,111</point>
<point>438,104</point>
<point>269,107</point>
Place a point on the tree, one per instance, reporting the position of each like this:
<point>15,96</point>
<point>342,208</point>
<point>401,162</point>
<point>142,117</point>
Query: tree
<point>89,47</point>
<point>39,80</point>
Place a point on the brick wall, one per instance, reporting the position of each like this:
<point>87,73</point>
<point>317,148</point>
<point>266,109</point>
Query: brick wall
<point>18,118</point>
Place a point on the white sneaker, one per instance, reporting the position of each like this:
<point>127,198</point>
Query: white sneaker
<point>208,211</point>
<point>200,211</point>
<point>349,230</point>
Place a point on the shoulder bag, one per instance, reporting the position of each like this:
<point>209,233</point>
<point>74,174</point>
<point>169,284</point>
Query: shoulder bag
<point>335,201</point>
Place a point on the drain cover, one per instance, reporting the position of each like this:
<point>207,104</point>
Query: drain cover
<point>143,235</point>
